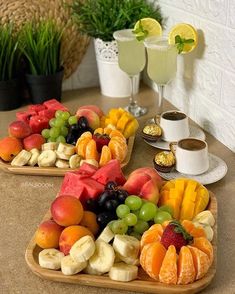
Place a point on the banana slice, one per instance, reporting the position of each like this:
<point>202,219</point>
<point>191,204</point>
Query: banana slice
<point>90,271</point>
<point>67,149</point>
<point>71,267</point>
<point>90,161</point>
<point>106,235</point>
<point>126,245</point>
<point>123,272</point>
<point>74,161</point>
<point>49,146</point>
<point>21,158</point>
<point>83,249</point>
<point>50,258</point>
<point>60,163</point>
<point>205,217</point>
<point>132,260</point>
<point>47,158</point>
<point>103,258</point>
<point>62,155</point>
<point>34,157</point>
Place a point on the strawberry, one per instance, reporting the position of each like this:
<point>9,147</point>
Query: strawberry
<point>175,234</point>
<point>101,140</point>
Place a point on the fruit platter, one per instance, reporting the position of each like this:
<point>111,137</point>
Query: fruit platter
<point>135,233</point>
<point>47,139</point>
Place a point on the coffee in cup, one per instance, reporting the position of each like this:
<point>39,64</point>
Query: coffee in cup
<point>191,156</point>
<point>174,125</point>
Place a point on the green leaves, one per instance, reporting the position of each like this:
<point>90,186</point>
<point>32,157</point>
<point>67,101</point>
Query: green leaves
<point>180,42</point>
<point>140,32</point>
<point>101,18</point>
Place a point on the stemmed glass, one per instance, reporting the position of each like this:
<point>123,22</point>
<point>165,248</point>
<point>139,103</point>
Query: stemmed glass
<point>162,63</point>
<point>131,59</point>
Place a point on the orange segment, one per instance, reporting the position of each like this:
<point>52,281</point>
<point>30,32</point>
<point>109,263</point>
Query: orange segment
<point>91,152</point>
<point>118,150</point>
<point>83,136</point>
<point>153,234</point>
<point>168,271</point>
<point>192,229</point>
<point>120,140</point>
<point>99,131</point>
<point>107,131</point>
<point>201,262</point>
<point>81,146</point>
<point>105,156</point>
<point>204,245</point>
<point>151,258</point>
<point>186,270</point>
<point>116,133</point>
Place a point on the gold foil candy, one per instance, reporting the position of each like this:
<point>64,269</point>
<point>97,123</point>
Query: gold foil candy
<point>152,129</point>
<point>165,158</point>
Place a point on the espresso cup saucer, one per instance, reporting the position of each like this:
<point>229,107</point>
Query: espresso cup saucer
<point>217,170</point>
<point>194,132</point>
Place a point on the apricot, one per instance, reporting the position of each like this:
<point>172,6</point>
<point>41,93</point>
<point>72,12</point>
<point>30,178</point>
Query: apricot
<point>89,221</point>
<point>70,235</point>
<point>48,234</point>
<point>91,116</point>
<point>9,148</point>
<point>67,210</point>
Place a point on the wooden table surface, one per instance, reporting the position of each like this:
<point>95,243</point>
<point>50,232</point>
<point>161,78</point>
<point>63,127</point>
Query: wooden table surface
<point>24,200</point>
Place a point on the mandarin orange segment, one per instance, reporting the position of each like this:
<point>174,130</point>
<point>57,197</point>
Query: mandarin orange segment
<point>117,150</point>
<point>186,270</point>
<point>120,140</point>
<point>153,234</point>
<point>105,156</point>
<point>204,245</point>
<point>91,152</point>
<point>188,225</point>
<point>99,131</point>
<point>83,136</point>
<point>107,131</point>
<point>192,229</point>
<point>116,133</point>
<point>151,259</point>
<point>81,146</point>
<point>168,271</point>
<point>201,262</point>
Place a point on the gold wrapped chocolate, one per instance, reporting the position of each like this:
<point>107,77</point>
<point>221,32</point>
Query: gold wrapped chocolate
<point>165,158</point>
<point>152,130</point>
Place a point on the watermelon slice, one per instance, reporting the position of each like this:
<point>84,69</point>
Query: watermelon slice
<point>54,104</point>
<point>38,123</point>
<point>49,113</point>
<point>87,168</point>
<point>110,172</point>
<point>25,115</point>
<point>36,107</point>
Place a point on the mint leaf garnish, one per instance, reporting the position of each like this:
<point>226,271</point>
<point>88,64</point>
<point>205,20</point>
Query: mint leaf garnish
<point>140,32</point>
<point>181,41</point>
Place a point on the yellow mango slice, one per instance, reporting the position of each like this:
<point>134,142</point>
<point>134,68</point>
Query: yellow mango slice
<point>175,203</point>
<point>168,186</point>
<point>187,211</point>
<point>164,197</point>
<point>115,115</point>
<point>131,128</point>
<point>122,122</point>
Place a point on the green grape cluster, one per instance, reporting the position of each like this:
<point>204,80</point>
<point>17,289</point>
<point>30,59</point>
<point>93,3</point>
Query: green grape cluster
<point>136,215</point>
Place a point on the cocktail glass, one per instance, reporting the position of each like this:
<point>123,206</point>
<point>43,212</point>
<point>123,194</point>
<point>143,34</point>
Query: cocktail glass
<point>131,59</point>
<point>162,63</point>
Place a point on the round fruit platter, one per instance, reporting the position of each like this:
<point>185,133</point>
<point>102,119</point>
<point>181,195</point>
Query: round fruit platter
<point>102,269</point>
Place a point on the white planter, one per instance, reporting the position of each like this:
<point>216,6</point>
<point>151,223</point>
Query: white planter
<point>113,81</point>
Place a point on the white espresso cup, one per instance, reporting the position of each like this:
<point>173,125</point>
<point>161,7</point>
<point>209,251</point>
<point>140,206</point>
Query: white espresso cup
<point>191,156</point>
<point>174,125</point>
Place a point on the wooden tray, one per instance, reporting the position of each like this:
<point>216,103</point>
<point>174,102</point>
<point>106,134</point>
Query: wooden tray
<point>54,171</point>
<point>143,284</point>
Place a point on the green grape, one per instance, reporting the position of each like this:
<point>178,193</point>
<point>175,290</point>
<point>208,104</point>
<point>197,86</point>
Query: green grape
<point>65,115</point>
<point>147,211</point>
<point>59,122</point>
<point>110,224</point>
<point>136,212</point>
<point>58,113</point>
<point>52,122</point>
<point>54,132</point>
<point>141,226</point>
<point>133,202</point>
<point>136,235</point>
<point>46,133</point>
<point>119,227</point>
<point>130,219</point>
<point>122,210</point>
<point>162,216</point>
<point>73,120</point>
<point>60,139</point>
<point>64,131</point>
<point>50,139</point>
<point>167,208</point>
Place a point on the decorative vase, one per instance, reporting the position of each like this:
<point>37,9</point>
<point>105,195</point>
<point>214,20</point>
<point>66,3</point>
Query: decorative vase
<point>113,81</point>
<point>10,94</point>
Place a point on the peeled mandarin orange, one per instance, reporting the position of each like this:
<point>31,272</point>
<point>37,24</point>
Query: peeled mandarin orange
<point>116,133</point>
<point>204,245</point>
<point>152,235</point>
<point>168,271</point>
<point>201,262</point>
<point>105,156</point>
<point>81,147</point>
<point>83,136</point>
<point>192,229</point>
<point>99,131</point>
<point>91,151</point>
<point>186,270</point>
<point>120,140</point>
<point>118,150</point>
<point>107,131</point>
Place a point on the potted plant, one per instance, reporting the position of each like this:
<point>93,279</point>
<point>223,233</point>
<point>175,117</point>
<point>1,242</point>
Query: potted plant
<point>41,45</point>
<point>100,19</point>
<point>10,97</point>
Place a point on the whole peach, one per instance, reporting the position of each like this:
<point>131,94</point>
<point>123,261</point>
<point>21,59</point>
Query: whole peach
<point>9,148</point>
<point>33,141</point>
<point>19,129</point>
<point>91,116</point>
<point>94,108</point>
<point>67,210</point>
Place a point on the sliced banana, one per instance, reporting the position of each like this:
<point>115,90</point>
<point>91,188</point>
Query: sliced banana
<point>47,158</point>
<point>21,158</point>
<point>83,249</point>
<point>50,258</point>
<point>123,272</point>
<point>61,163</point>
<point>62,155</point>
<point>90,161</point>
<point>74,161</point>
<point>67,149</point>
<point>106,235</point>
<point>71,267</point>
<point>50,146</point>
<point>205,217</point>
<point>90,271</point>
<point>132,260</point>
<point>34,157</point>
<point>126,245</point>
<point>103,258</point>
